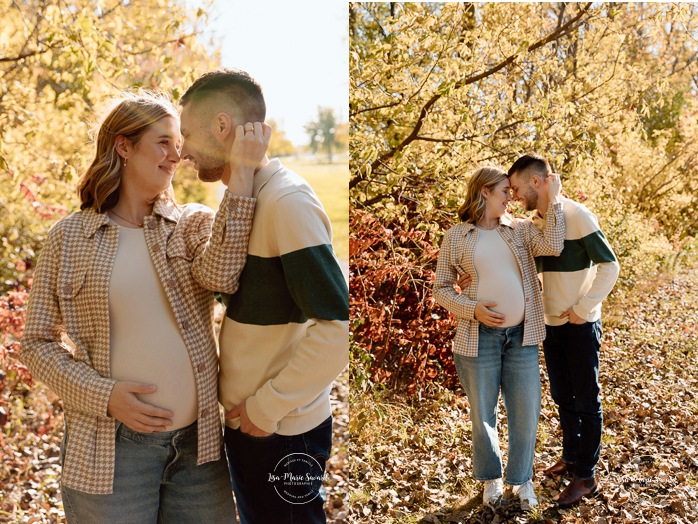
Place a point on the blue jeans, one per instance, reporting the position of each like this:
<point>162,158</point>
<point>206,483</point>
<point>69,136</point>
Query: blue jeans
<point>502,362</point>
<point>572,358</point>
<point>157,480</point>
<point>279,478</point>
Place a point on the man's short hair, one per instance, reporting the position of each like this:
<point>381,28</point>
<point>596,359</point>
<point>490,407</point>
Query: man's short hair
<point>531,164</point>
<point>235,86</point>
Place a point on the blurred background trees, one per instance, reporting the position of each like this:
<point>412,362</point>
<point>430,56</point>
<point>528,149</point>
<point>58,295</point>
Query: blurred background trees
<point>279,144</point>
<point>59,63</point>
<point>607,91</point>
<point>326,134</point>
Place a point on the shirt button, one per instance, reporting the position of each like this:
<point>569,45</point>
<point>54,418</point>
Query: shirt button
<point>156,248</point>
<point>185,325</point>
<point>201,367</point>
<point>152,224</point>
<point>204,412</point>
<point>171,283</point>
<point>67,289</point>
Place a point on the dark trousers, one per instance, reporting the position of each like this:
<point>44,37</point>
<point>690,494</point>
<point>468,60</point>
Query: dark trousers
<point>572,358</point>
<point>278,479</point>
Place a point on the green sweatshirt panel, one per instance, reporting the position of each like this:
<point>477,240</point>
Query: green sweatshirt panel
<point>303,284</point>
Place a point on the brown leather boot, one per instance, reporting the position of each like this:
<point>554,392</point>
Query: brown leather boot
<point>576,491</point>
<point>559,468</point>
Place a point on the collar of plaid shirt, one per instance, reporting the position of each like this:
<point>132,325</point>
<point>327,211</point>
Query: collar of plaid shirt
<point>504,220</point>
<point>93,220</point>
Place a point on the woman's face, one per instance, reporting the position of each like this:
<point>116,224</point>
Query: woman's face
<point>498,199</point>
<point>152,161</point>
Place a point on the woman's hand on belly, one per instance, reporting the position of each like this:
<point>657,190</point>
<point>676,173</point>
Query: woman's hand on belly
<point>487,316</point>
<point>140,416</point>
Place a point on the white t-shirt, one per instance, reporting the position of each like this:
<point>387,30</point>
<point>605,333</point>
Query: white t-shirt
<point>499,277</point>
<point>146,345</point>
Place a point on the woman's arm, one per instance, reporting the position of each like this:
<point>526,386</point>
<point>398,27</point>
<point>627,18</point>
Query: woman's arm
<point>42,348</point>
<point>221,251</point>
<point>551,240</point>
<point>220,242</point>
<point>446,274</point>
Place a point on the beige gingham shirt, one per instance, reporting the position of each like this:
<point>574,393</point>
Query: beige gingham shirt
<point>457,258</point>
<point>192,255</point>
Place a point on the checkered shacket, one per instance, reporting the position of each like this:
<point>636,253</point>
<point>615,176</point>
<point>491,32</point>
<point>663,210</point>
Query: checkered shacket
<point>457,258</point>
<point>192,254</point>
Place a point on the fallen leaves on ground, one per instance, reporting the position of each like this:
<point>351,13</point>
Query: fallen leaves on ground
<point>410,459</point>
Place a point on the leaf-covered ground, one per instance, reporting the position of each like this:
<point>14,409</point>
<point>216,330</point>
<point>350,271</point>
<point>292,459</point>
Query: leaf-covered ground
<point>411,460</point>
<point>29,455</point>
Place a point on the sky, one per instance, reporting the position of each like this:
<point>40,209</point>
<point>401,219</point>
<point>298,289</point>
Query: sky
<point>297,50</point>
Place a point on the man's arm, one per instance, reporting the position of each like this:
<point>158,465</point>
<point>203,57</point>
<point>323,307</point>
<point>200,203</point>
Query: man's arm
<point>601,254</point>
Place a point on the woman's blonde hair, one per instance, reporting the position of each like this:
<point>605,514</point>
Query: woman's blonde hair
<point>130,116</point>
<point>473,208</point>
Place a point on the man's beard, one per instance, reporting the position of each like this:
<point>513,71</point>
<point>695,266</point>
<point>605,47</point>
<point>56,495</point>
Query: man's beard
<point>530,199</point>
<point>209,167</point>
<point>210,174</point>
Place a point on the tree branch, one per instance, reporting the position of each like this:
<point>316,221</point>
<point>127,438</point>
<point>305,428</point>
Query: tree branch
<point>25,54</point>
<point>374,108</point>
<point>558,33</point>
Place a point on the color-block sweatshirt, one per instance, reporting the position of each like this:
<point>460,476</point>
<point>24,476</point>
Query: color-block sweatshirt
<point>584,273</point>
<point>285,337</point>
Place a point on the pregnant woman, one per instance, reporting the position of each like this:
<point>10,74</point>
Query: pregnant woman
<point>500,323</point>
<point>127,279</point>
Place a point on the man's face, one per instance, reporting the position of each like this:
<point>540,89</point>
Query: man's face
<point>201,146</point>
<point>523,191</point>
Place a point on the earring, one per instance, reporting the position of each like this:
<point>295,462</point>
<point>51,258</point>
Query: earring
<point>125,161</point>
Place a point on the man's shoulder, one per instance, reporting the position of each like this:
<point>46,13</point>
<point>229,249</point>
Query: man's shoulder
<point>285,185</point>
<point>580,221</point>
<point>573,207</point>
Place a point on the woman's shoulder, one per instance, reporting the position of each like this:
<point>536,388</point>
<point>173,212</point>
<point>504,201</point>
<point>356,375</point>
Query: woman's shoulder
<point>460,228</point>
<point>193,223</point>
<point>75,221</point>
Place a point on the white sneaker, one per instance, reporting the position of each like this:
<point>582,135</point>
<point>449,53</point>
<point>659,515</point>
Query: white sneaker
<point>492,493</point>
<point>526,495</point>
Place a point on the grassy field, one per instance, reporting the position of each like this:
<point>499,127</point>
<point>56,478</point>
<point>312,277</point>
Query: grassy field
<point>331,183</point>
